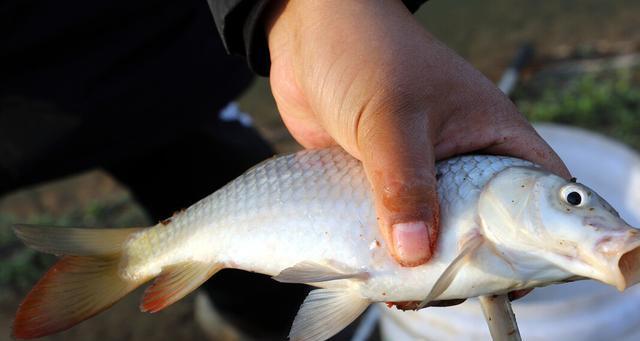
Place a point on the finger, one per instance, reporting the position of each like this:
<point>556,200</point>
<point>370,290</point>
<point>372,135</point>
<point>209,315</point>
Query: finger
<point>524,142</point>
<point>398,158</point>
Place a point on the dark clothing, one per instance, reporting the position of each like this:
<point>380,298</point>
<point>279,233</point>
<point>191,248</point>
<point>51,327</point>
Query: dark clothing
<point>134,88</point>
<point>91,80</point>
<point>88,82</point>
<point>241,26</point>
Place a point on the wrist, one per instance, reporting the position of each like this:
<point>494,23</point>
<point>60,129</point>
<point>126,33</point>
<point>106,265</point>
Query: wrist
<point>306,21</point>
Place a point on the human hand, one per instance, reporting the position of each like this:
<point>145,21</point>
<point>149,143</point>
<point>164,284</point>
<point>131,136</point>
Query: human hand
<point>365,75</point>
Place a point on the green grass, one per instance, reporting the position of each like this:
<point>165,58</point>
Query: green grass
<point>606,102</point>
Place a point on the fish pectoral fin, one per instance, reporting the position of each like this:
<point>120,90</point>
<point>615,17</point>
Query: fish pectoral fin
<point>310,272</point>
<point>449,274</point>
<point>175,282</point>
<point>325,312</point>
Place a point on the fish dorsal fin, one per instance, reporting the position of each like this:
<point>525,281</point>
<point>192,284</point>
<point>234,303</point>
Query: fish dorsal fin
<point>325,312</point>
<point>311,272</point>
<point>449,274</point>
<point>175,282</point>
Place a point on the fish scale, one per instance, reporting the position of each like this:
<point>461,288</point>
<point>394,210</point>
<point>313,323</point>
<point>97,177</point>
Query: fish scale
<point>322,200</point>
<point>309,217</point>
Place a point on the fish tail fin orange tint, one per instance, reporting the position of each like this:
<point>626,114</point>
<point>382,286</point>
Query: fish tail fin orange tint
<point>175,282</point>
<point>73,289</point>
<point>81,284</point>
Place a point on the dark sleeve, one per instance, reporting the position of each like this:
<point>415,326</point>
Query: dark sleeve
<point>241,26</point>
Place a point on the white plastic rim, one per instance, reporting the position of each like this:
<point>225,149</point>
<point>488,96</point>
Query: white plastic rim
<point>585,310</point>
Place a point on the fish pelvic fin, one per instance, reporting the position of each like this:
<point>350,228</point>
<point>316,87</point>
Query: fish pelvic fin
<point>325,312</point>
<point>175,282</point>
<point>311,272</point>
<point>81,284</point>
<point>470,246</point>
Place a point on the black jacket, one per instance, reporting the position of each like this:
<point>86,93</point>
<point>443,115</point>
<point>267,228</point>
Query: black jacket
<point>84,82</point>
<point>87,82</point>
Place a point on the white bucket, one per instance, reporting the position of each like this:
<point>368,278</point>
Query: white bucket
<point>585,310</point>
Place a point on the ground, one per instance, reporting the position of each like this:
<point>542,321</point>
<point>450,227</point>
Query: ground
<point>567,83</point>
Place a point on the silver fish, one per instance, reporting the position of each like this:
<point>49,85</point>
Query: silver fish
<point>308,217</point>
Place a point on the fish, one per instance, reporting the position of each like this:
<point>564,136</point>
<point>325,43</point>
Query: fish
<point>309,217</point>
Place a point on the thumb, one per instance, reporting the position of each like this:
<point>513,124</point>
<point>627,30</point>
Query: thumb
<point>399,161</point>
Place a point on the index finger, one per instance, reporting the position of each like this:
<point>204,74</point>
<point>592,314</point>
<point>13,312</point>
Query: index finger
<point>525,143</point>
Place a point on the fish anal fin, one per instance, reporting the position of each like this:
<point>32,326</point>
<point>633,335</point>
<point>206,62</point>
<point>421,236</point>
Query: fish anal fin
<point>311,272</point>
<point>325,312</point>
<point>469,247</point>
<point>175,282</point>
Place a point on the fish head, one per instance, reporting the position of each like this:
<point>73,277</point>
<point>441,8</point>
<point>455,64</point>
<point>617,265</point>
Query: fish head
<point>557,228</point>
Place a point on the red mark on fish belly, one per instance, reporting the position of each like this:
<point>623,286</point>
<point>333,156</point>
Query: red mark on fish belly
<point>405,305</point>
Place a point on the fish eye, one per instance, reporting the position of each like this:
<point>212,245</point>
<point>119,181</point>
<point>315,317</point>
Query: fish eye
<point>574,195</point>
<point>574,198</point>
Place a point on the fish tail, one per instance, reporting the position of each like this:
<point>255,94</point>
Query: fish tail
<point>84,282</point>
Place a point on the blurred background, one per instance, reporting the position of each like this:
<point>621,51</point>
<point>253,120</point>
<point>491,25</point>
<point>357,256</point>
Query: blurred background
<point>585,72</point>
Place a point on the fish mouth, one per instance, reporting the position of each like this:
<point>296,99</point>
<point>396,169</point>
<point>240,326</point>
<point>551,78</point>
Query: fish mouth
<point>628,267</point>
